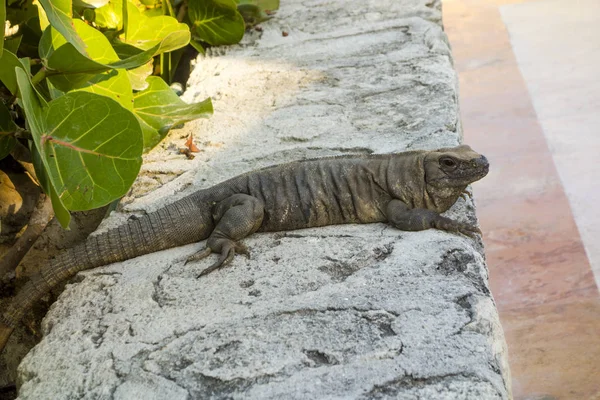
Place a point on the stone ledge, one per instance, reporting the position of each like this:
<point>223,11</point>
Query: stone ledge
<point>335,312</point>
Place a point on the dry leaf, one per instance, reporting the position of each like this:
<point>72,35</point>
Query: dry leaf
<point>190,145</point>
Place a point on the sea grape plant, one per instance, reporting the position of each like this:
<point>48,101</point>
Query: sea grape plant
<point>83,85</point>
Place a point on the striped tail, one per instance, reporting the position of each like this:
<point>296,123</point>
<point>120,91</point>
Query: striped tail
<point>180,223</point>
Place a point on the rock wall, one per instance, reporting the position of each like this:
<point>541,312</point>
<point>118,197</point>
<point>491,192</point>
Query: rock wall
<point>353,312</point>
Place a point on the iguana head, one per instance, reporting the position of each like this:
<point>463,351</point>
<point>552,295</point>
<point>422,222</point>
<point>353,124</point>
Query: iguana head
<point>454,167</point>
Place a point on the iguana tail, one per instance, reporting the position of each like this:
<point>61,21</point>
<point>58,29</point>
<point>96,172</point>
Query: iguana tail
<point>179,223</point>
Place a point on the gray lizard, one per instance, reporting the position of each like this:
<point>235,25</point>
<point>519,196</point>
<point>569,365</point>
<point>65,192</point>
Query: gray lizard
<point>408,190</point>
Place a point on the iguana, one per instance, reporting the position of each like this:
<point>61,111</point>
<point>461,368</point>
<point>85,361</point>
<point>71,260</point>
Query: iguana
<point>408,190</point>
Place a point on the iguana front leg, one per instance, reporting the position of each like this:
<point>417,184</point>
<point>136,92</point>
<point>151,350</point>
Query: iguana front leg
<point>237,217</point>
<point>404,218</point>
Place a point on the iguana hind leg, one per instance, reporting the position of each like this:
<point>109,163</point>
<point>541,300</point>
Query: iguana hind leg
<point>237,217</point>
<point>418,219</point>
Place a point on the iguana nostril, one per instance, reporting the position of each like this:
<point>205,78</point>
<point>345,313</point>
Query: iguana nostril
<point>480,162</point>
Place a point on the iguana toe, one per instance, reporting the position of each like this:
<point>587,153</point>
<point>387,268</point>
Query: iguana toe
<point>199,255</point>
<point>242,249</point>
<point>225,258</point>
<point>466,195</point>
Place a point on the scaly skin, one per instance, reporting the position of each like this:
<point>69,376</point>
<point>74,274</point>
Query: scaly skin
<point>409,190</point>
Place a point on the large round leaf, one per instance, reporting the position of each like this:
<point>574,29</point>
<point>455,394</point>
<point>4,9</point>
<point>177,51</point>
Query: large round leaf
<point>160,109</point>
<point>8,63</point>
<point>110,15</point>
<point>270,5</point>
<point>138,76</point>
<point>92,149</point>
<point>34,106</point>
<point>69,69</point>
<point>59,14</point>
<point>93,73</point>
<point>146,32</point>
<point>60,212</point>
<point>216,22</point>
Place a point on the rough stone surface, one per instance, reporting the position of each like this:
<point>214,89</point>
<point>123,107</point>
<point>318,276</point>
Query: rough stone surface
<point>347,312</point>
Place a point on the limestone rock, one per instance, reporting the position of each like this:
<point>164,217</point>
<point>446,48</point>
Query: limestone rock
<point>352,312</point>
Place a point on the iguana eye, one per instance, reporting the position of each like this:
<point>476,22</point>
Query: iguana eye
<point>448,162</point>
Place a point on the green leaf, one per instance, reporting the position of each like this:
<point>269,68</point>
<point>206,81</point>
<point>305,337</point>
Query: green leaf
<point>92,149</point>
<point>198,47</point>
<point>12,44</point>
<point>160,108</point>
<point>2,19</point>
<point>216,22</point>
<point>32,103</point>
<point>59,14</point>
<point>89,145</point>
<point>86,74</point>
<point>114,84</point>
<point>61,57</point>
<point>69,69</point>
<point>264,5</point>
<point>8,63</point>
<point>7,128</point>
<point>170,10</point>
<point>54,92</point>
<point>25,64</point>
<point>125,16</point>
<point>138,76</point>
<point>62,214</point>
<point>43,18</point>
<point>151,3</point>
<point>6,144</point>
<point>21,12</point>
<point>90,3</point>
<point>89,15</point>
<point>110,16</point>
<point>151,136</point>
<point>31,35</point>
<point>34,108</point>
<point>252,14</point>
<point>146,32</point>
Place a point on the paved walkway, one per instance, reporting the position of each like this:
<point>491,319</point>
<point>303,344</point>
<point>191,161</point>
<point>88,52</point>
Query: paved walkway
<point>529,97</point>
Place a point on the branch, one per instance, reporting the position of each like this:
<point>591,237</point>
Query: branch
<point>42,214</point>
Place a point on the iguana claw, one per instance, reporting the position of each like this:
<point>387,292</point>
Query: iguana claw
<point>466,195</point>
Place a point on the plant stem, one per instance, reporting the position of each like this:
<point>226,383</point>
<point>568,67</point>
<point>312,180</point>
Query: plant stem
<point>40,76</point>
<point>182,11</point>
<point>169,9</point>
<point>42,214</point>
<point>23,134</point>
